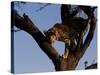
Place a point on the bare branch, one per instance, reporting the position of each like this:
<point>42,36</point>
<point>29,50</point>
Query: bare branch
<point>92,66</point>
<point>60,63</point>
<point>27,25</point>
<point>41,8</point>
<point>88,39</point>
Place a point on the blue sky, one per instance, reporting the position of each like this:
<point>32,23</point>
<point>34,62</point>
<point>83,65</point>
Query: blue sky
<point>28,56</point>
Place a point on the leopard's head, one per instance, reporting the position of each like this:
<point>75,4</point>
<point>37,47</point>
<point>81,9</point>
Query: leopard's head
<point>51,35</point>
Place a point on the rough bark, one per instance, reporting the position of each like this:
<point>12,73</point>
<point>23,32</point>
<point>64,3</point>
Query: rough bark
<point>28,26</point>
<point>61,64</point>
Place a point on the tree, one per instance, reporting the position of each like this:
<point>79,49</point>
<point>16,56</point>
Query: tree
<point>60,63</point>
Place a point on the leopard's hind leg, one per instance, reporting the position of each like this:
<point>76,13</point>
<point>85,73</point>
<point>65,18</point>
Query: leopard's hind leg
<point>66,51</point>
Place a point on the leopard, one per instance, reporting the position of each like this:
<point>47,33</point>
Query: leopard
<point>67,33</point>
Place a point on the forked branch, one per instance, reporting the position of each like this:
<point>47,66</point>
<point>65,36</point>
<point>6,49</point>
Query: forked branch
<point>25,23</point>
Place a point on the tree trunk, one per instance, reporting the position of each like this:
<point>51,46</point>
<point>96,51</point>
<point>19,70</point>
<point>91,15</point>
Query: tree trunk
<point>60,63</point>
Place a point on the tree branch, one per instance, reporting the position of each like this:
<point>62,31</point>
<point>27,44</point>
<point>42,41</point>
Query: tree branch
<point>88,39</point>
<point>92,66</point>
<point>61,64</point>
<point>90,34</point>
<point>41,8</point>
<point>77,54</point>
<point>27,25</point>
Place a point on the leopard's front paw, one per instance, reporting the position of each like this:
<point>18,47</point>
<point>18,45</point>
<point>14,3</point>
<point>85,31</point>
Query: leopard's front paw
<point>65,55</point>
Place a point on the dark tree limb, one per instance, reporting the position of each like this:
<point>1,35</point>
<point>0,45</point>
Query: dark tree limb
<point>90,34</point>
<point>79,52</point>
<point>73,58</point>
<point>92,66</point>
<point>25,23</point>
<point>89,37</point>
<point>61,64</point>
<point>41,8</point>
<point>66,14</point>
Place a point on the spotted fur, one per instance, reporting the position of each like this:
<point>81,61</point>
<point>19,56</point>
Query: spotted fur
<point>67,33</point>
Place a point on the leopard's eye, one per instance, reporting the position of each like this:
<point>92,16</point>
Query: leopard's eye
<point>51,33</point>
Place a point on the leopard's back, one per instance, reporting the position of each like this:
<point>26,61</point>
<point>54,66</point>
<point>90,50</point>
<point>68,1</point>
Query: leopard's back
<point>65,32</point>
<point>77,23</point>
